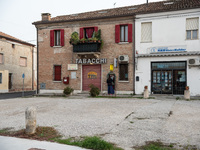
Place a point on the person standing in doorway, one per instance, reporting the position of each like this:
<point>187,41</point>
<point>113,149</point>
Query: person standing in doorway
<point>110,85</point>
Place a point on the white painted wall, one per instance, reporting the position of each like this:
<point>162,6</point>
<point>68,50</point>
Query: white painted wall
<point>168,29</point>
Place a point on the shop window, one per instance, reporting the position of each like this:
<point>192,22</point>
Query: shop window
<point>123,33</point>
<point>1,58</point>
<point>0,78</point>
<point>23,61</point>
<point>192,27</point>
<point>57,37</point>
<point>146,32</point>
<point>57,73</point>
<point>87,32</point>
<point>123,72</point>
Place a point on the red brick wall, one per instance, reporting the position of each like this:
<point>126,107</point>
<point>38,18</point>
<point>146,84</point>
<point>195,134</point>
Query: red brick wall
<point>49,56</point>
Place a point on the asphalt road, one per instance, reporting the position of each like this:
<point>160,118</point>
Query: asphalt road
<point>16,94</point>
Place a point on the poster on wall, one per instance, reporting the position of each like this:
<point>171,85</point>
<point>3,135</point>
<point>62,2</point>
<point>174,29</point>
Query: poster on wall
<point>73,75</point>
<point>72,66</point>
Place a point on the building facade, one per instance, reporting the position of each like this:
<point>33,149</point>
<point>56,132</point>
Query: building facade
<point>168,52</point>
<point>148,44</point>
<point>16,59</point>
<point>83,64</point>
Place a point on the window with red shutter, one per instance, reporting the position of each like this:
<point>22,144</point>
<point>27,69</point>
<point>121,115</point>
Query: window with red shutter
<point>57,72</point>
<point>62,37</point>
<point>81,33</point>
<point>57,37</point>
<point>130,31</point>
<point>52,38</point>
<point>123,33</point>
<point>117,33</point>
<point>87,32</point>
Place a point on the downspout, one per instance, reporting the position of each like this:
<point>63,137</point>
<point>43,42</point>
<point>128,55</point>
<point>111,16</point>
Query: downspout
<point>37,63</point>
<point>134,55</point>
<point>33,68</point>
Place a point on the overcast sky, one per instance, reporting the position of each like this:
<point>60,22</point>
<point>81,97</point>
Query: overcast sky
<point>17,16</point>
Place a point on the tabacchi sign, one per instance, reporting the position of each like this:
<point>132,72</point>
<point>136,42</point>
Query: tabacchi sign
<point>91,61</point>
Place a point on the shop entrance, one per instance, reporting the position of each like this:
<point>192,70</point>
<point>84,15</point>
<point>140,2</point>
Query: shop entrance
<point>168,77</point>
<point>91,74</point>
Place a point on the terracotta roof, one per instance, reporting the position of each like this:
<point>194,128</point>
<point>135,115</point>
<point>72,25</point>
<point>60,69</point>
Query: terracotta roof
<point>11,38</point>
<point>153,7</point>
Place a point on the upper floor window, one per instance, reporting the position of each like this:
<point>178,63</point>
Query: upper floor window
<point>57,37</point>
<point>146,32</point>
<point>1,58</point>
<point>23,61</point>
<point>87,32</point>
<point>192,28</point>
<point>123,33</point>
<point>57,73</point>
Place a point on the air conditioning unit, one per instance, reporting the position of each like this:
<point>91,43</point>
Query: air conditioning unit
<point>193,61</point>
<point>123,58</point>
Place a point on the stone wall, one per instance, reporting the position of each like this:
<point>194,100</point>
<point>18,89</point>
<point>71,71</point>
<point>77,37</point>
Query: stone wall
<point>11,57</point>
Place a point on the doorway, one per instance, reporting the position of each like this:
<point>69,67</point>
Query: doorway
<point>168,78</point>
<point>10,81</point>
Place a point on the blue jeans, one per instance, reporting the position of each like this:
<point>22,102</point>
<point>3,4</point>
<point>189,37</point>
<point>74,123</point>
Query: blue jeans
<point>110,89</point>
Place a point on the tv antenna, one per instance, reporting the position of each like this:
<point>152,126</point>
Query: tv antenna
<point>114,4</point>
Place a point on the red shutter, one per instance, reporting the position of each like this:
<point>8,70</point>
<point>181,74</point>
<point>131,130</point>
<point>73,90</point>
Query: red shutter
<point>130,31</point>
<point>117,33</point>
<point>96,29</point>
<point>57,73</point>
<point>52,38</point>
<point>62,37</point>
<point>81,33</point>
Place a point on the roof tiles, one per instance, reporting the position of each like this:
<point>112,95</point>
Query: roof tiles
<point>153,7</point>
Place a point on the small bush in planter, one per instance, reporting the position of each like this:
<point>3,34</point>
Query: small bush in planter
<point>68,90</point>
<point>94,91</point>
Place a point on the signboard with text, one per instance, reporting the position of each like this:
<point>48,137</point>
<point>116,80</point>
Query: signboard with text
<point>167,49</point>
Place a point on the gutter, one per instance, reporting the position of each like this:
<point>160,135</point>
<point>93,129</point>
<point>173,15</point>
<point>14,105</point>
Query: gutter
<point>133,55</point>
<point>18,41</point>
<point>37,64</point>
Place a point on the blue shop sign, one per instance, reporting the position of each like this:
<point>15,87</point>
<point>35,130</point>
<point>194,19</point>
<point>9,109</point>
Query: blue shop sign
<point>168,49</point>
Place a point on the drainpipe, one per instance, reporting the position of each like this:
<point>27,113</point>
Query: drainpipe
<point>33,68</point>
<point>134,55</point>
<point>37,64</point>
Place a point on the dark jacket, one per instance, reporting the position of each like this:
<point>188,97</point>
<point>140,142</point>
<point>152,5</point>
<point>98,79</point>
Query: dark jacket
<point>109,81</point>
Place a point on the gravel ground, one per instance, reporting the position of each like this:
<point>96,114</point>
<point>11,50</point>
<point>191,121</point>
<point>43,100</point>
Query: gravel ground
<point>125,122</point>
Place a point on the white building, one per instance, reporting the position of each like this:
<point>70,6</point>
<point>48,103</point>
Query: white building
<point>167,48</point>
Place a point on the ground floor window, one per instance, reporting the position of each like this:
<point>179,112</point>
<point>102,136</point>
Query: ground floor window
<point>57,73</point>
<point>168,77</point>
<point>123,72</point>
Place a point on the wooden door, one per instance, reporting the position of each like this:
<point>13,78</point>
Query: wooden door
<point>91,74</point>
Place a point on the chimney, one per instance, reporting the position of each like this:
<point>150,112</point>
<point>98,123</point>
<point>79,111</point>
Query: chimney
<point>46,17</point>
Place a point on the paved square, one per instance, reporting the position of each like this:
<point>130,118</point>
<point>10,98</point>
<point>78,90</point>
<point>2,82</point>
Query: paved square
<point>126,122</point>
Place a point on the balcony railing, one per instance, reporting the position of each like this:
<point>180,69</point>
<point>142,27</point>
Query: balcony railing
<point>86,47</point>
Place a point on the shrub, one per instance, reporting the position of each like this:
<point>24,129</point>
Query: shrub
<point>74,38</point>
<point>68,90</point>
<point>94,91</point>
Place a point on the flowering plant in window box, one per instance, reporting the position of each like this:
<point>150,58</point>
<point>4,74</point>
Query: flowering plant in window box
<point>83,40</point>
<point>74,38</point>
